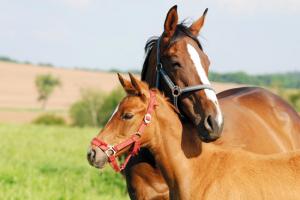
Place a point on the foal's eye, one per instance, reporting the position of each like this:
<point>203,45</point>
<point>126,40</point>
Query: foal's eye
<point>127,116</point>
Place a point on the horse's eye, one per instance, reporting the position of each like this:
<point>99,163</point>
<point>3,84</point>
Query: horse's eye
<point>127,116</point>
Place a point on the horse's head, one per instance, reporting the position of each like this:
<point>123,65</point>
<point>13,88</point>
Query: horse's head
<point>184,62</point>
<point>129,126</point>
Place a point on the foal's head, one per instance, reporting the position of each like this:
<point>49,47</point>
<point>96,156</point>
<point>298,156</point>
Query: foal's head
<point>126,122</point>
<point>182,57</point>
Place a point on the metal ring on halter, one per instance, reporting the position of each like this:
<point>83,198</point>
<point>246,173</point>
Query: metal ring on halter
<point>176,91</point>
<point>110,150</point>
<point>147,118</point>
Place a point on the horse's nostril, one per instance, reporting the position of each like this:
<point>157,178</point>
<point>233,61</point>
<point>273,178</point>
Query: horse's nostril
<point>208,123</point>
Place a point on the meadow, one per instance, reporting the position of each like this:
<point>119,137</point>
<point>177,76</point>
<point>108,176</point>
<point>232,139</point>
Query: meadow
<point>49,162</point>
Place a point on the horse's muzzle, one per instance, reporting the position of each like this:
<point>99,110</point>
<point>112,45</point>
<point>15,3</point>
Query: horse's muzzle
<point>209,130</point>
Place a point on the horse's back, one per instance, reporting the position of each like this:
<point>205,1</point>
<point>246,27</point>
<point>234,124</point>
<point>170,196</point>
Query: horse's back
<point>259,121</point>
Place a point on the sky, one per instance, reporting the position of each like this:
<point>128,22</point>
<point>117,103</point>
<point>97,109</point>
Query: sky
<point>255,36</point>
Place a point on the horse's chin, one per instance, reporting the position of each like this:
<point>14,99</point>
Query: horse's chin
<point>206,136</point>
<point>207,139</point>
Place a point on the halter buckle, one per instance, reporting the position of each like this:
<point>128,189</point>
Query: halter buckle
<point>109,151</point>
<point>176,91</point>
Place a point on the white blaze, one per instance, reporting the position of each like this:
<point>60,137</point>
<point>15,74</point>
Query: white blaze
<point>203,77</point>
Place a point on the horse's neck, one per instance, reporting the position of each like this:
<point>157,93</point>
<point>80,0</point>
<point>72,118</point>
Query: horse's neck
<point>178,152</point>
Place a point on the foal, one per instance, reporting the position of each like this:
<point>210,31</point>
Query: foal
<point>192,169</point>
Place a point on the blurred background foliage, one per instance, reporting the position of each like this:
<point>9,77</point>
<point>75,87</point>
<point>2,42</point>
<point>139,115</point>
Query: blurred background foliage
<point>45,85</point>
<point>284,80</point>
<point>95,107</point>
<point>50,119</point>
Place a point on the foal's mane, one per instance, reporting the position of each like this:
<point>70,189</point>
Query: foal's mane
<point>165,99</point>
<point>181,30</point>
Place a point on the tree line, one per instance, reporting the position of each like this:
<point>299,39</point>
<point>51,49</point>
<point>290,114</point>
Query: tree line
<point>284,80</point>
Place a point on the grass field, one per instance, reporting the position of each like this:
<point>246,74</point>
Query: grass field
<point>49,162</point>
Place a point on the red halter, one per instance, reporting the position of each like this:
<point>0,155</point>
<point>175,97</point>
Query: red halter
<point>111,150</point>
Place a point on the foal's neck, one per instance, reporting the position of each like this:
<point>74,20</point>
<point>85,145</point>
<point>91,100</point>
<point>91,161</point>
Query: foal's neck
<point>176,147</point>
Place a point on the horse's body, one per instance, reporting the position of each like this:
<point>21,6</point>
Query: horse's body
<point>258,121</point>
<point>196,170</point>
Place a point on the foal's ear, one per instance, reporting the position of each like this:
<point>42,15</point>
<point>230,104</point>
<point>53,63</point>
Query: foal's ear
<point>171,22</point>
<point>126,84</point>
<point>140,91</point>
<point>198,24</point>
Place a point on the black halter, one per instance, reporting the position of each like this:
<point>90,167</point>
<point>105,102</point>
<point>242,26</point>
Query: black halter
<point>176,90</point>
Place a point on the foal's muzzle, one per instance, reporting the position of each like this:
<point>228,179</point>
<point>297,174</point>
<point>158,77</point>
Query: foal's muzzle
<point>96,157</point>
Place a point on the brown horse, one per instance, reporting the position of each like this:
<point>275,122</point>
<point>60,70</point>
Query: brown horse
<point>192,169</point>
<point>255,119</point>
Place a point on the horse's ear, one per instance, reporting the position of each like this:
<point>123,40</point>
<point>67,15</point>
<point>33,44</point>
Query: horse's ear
<point>137,84</point>
<point>126,84</point>
<point>198,24</point>
<point>171,22</point>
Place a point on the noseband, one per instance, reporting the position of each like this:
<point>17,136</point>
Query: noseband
<point>112,150</point>
<point>175,89</point>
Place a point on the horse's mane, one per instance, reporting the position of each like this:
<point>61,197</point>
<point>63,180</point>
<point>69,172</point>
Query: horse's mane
<point>181,30</point>
<point>148,47</point>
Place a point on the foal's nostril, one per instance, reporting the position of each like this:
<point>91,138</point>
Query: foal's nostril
<point>91,155</point>
<point>208,123</point>
<point>96,157</point>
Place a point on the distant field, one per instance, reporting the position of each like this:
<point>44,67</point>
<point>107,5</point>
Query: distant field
<point>18,90</point>
<point>18,95</point>
<point>48,162</point>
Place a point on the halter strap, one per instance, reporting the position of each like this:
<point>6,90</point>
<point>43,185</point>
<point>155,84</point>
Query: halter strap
<point>158,65</point>
<point>111,150</point>
<point>175,89</point>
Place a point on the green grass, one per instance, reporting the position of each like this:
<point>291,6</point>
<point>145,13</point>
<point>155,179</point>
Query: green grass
<point>49,162</point>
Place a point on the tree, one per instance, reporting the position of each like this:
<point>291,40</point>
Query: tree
<point>109,104</point>
<point>86,111</point>
<point>45,84</point>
